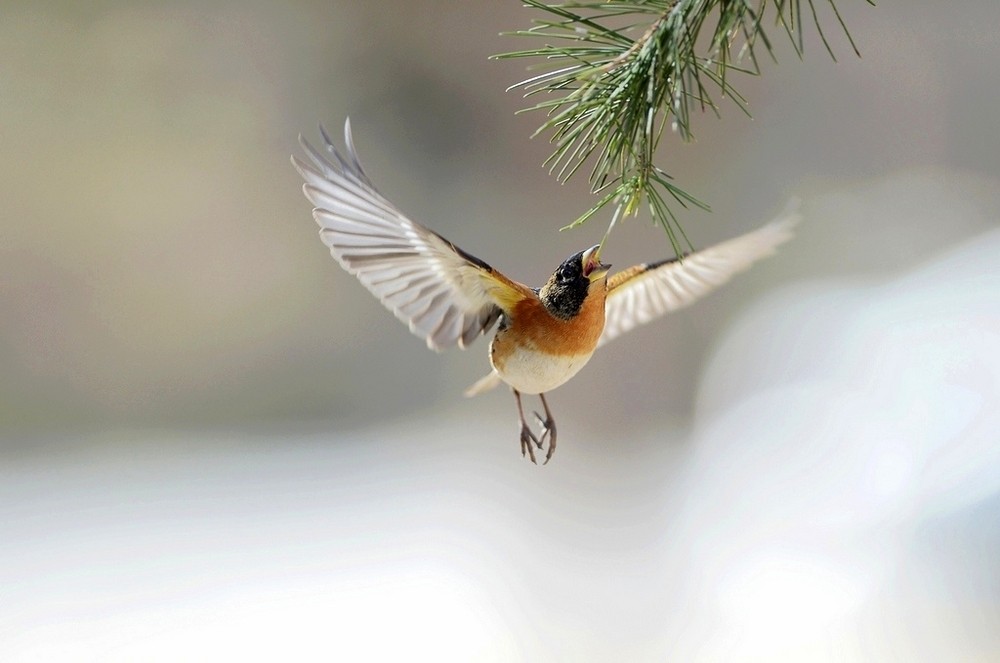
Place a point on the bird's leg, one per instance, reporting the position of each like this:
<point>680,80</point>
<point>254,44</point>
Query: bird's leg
<point>548,429</point>
<point>527,437</point>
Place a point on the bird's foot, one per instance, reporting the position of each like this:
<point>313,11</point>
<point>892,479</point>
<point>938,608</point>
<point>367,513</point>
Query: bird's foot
<point>528,438</point>
<point>548,427</point>
<point>529,442</point>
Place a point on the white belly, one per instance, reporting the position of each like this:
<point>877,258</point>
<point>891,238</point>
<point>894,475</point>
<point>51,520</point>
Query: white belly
<point>532,372</point>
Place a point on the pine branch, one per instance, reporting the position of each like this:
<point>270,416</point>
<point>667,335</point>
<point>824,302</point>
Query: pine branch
<point>610,97</point>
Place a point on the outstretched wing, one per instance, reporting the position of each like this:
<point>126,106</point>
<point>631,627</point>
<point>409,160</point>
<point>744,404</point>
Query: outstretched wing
<point>645,292</point>
<point>446,296</point>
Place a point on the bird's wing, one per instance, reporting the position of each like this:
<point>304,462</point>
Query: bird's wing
<point>447,296</point>
<point>647,291</point>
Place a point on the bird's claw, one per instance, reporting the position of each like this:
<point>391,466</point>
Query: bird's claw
<point>547,432</point>
<point>527,440</point>
<point>544,425</point>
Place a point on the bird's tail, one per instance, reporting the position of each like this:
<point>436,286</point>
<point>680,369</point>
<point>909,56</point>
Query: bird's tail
<point>491,380</point>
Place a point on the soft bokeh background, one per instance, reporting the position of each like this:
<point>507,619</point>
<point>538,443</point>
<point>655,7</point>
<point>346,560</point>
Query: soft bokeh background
<point>216,445</point>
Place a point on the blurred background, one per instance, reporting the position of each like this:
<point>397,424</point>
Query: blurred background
<point>215,444</point>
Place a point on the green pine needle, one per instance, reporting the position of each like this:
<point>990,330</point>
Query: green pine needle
<point>618,73</point>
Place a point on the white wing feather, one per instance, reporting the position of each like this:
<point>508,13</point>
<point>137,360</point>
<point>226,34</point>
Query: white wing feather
<point>445,295</point>
<point>656,289</point>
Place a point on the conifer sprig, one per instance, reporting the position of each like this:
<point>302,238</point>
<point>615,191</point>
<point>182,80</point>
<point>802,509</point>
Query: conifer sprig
<point>618,73</point>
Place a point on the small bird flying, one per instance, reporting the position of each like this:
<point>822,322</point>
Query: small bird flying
<point>449,297</point>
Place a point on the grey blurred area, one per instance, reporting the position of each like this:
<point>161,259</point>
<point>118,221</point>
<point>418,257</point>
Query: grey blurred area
<point>215,444</point>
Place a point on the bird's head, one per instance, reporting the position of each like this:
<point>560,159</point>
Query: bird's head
<point>566,290</point>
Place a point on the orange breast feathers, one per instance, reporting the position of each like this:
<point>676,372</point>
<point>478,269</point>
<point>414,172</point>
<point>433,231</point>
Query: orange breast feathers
<point>533,325</point>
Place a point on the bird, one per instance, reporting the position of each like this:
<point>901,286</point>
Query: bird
<point>449,297</point>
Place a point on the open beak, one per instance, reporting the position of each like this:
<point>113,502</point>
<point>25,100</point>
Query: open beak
<point>593,268</point>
